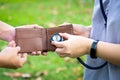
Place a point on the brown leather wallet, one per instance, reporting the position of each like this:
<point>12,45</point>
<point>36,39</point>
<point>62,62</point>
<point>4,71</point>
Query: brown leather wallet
<point>38,39</point>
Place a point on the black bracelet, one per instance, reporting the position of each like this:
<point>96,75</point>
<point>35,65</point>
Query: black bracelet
<point>93,49</point>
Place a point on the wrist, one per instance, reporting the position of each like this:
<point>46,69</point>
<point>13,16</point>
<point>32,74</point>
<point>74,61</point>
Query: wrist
<point>89,45</point>
<point>7,34</point>
<point>88,31</point>
<point>93,49</point>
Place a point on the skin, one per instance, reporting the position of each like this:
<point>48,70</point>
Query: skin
<point>9,57</point>
<point>79,44</point>
<point>7,33</point>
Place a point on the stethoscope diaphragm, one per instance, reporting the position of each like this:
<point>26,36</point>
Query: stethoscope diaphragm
<point>56,37</point>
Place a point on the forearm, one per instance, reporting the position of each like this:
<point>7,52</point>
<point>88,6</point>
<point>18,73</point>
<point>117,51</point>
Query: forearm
<point>4,26</point>
<point>5,31</point>
<point>109,52</point>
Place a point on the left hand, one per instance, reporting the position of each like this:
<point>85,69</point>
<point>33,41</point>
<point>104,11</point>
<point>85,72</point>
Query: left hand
<point>74,46</point>
<point>9,57</point>
<point>8,33</point>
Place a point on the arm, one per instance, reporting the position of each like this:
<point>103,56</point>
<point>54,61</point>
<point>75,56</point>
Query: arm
<point>110,52</point>
<point>7,32</point>
<point>107,51</point>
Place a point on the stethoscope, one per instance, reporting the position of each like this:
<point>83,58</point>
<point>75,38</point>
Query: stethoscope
<point>58,38</point>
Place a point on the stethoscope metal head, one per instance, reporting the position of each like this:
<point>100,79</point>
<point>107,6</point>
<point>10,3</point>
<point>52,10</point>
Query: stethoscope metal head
<point>56,37</point>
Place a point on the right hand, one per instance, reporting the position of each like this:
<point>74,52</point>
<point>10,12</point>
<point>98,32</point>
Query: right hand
<point>9,57</point>
<point>74,46</point>
<point>80,30</point>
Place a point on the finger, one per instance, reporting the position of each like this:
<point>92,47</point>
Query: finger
<point>57,44</point>
<point>24,55</point>
<point>44,53</point>
<point>62,54</point>
<point>65,35</point>
<point>18,48</point>
<point>19,54</point>
<point>37,26</point>
<point>33,53</point>
<point>23,59</point>
<point>31,26</point>
<point>65,23</point>
<point>38,52</point>
<point>12,44</point>
<point>59,50</point>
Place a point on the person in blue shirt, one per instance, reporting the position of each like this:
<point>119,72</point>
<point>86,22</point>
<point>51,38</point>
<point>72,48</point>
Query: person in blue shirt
<point>100,43</point>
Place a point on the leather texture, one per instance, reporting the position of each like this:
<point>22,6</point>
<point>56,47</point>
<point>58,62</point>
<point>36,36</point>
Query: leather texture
<point>38,39</point>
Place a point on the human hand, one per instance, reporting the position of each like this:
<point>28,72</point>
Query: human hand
<point>30,26</point>
<point>7,32</point>
<point>81,30</point>
<point>73,46</point>
<point>9,57</point>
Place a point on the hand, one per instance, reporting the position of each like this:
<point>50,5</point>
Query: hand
<point>74,46</point>
<point>80,30</point>
<point>7,32</point>
<point>9,57</point>
<point>30,26</point>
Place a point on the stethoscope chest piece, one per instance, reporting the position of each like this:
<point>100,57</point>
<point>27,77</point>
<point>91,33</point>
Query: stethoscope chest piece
<point>56,37</point>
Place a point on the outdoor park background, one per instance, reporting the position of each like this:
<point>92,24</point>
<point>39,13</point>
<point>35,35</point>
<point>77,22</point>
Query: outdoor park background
<point>47,13</point>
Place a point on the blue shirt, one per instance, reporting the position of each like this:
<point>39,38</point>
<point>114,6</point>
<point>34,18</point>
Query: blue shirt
<point>110,33</point>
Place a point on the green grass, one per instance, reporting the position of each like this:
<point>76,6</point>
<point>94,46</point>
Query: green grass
<point>48,13</point>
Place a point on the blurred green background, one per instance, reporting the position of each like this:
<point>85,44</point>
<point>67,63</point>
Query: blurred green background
<point>47,13</point>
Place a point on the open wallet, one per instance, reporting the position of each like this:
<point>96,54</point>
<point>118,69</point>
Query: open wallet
<point>38,39</point>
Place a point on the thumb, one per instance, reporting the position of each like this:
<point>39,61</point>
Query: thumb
<point>12,44</point>
<point>18,48</point>
<point>24,57</point>
<point>65,35</point>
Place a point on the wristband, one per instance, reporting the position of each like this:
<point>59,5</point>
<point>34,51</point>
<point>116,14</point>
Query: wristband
<point>93,49</point>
